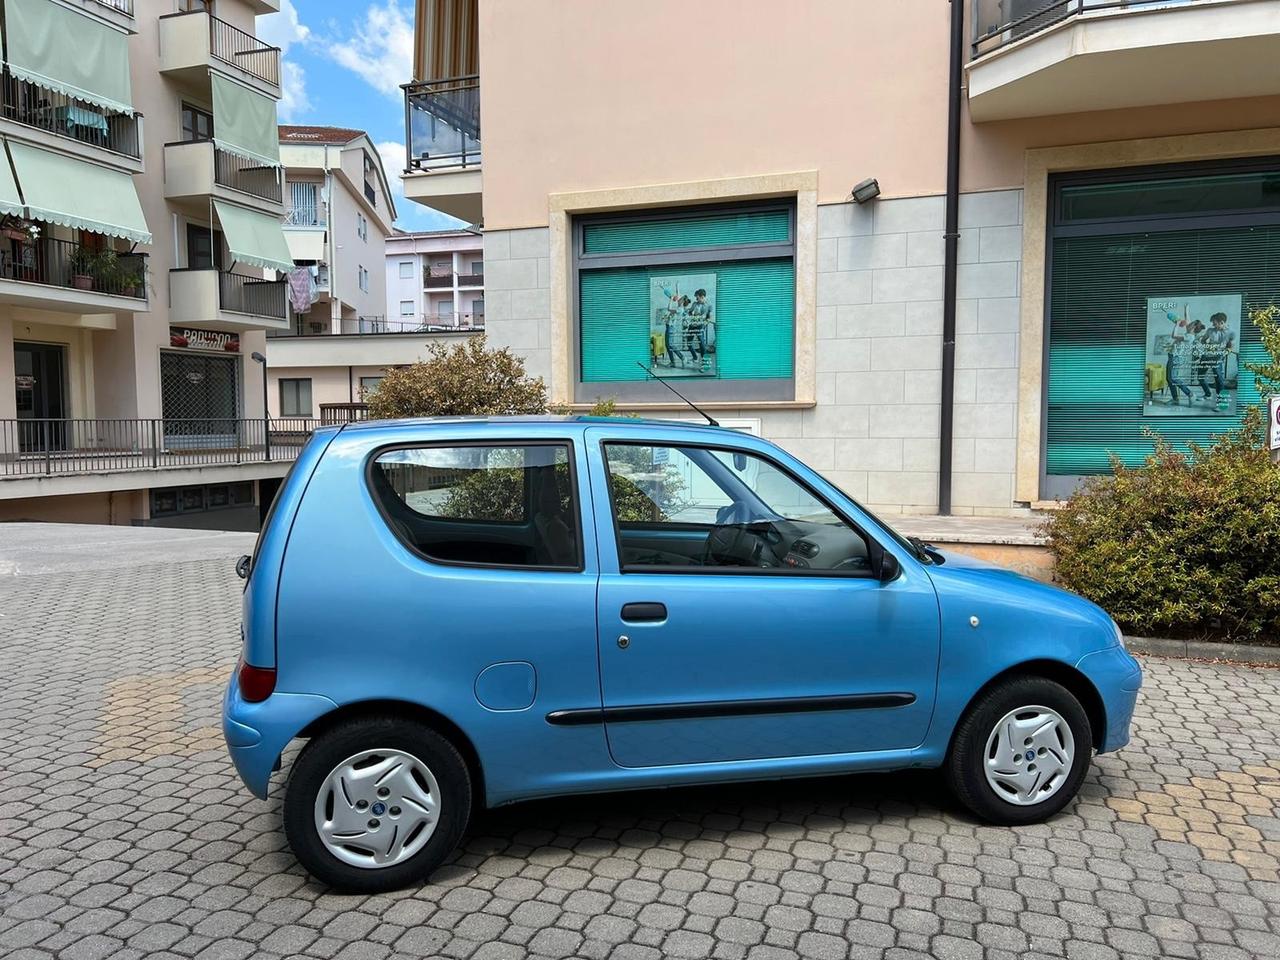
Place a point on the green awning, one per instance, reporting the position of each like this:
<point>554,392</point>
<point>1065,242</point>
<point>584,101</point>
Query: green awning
<point>10,200</point>
<point>253,238</point>
<point>244,121</point>
<point>77,193</point>
<point>69,52</point>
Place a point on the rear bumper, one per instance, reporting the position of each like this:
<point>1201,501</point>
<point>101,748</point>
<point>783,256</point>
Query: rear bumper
<point>257,733</point>
<point>1117,677</point>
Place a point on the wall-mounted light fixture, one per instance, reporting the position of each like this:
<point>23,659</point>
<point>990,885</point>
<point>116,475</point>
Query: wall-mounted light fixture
<point>868,189</point>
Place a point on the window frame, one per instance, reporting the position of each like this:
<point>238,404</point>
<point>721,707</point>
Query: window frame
<point>294,381</point>
<point>407,313</point>
<point>575,494</point>
<point>709,391</point>
<point>406,263</point>
<point>873,544</point>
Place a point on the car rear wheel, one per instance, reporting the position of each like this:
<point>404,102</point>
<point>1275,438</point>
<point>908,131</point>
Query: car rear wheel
<point>1021,751</point>
<point>376,803</point>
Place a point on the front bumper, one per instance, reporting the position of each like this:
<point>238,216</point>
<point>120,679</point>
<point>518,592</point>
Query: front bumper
<point>1117,676</point>
<point>257,733</point>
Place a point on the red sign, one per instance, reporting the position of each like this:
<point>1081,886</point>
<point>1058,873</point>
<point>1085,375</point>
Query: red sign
<point>204,339</point>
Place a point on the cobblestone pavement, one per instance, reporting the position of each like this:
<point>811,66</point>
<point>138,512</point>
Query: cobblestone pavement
<point>124,832</point>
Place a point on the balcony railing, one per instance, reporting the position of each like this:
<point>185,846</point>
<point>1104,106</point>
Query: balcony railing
<point>46,448</point>
<point>423,323</point>
<point>335,413</point>
<point>124,6</point>
<point>232,45</point>
<point>309,216</point>
<point>234,171</point>
<point>67,264</point>
<point>253,295</point>
<point>442,123</point>
<point>434,280</point>
<point>1000,22</point>
<point>36,106</point>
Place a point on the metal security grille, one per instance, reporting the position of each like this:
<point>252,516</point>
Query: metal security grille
<point>200,394</point>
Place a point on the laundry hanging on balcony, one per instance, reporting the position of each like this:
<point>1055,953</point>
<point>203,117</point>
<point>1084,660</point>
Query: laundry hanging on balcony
<point>253,238</point>
<point>244,121</point>
<point>302,288</point>
<point>70,53</point>
<point>78,193</point>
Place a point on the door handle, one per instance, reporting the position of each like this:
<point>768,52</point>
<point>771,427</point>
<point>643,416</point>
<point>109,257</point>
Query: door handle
<point>644,612</point>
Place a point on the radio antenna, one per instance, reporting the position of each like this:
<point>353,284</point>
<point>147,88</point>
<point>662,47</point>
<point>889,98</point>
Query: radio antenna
<point>697,409</point>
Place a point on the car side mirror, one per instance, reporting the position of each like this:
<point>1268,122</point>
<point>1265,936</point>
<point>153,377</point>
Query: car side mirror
<point>242,567</point>
<point>884,565</point>
<point>739,462</point>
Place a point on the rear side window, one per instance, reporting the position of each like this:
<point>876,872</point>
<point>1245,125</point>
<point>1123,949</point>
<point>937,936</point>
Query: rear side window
<point>503,505</point>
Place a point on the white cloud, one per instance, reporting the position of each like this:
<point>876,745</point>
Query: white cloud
<point>380,50</point>
<point>283,30</point>
<point>412,216</point>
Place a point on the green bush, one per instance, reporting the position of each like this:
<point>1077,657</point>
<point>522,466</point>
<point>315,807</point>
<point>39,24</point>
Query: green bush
<point>1185,545</point>
<point>468,379</point>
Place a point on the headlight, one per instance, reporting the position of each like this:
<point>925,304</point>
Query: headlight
<point>1119,635</point>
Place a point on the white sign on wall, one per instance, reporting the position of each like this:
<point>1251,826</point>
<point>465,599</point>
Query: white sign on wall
<point>1273,420</point>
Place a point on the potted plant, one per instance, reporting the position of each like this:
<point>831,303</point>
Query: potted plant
<point>82,262</point>
<point>106,270</point>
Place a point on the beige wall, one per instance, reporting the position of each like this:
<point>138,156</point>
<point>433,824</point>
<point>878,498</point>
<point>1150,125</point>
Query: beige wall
<point>670,91</point>
<point>120,507</point>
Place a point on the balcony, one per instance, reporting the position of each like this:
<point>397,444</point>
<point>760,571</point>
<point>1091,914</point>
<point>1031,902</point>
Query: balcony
<point>423,323</point>
<point>197,170</point>
<point>442,130</point>
<point>191,43</point>
<point>208,297</point>
<point>53,448</point>
<point>437,281</point>
<point>63,275</point>
<point>66,118</point>
<point>1034,58</point>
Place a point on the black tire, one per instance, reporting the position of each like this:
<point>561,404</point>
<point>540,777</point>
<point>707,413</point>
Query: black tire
<point>325,752</point>
<point>965,765</point>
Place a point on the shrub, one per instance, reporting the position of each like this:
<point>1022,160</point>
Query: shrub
<point>1185,545</point>
<point>468,379</point>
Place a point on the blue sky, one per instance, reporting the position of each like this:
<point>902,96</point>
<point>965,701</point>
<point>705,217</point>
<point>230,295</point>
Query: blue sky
<point>343,63</point>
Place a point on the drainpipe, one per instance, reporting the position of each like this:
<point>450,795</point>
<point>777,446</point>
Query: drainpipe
<point>951,255</point>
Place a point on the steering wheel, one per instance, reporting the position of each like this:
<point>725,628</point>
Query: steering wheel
<point>732,543</point>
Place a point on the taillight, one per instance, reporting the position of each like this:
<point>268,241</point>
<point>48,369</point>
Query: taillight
<point>256,683</point>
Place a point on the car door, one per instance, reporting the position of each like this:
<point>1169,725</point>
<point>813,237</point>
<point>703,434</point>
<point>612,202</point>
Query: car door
<point>738,615</point>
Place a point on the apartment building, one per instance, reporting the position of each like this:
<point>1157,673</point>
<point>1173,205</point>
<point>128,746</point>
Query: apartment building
<point>966,316</point>
<point>338,221</point>
<point>138,262</point>
<point>435,280</point>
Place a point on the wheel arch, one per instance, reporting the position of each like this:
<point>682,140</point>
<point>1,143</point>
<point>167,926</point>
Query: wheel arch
<point>414,711</point>
<point>1080,686</point>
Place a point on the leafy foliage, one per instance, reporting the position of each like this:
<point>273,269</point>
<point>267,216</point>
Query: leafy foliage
<point>1267,320</point>
<point>1187,544</point>
<point>468,379</point>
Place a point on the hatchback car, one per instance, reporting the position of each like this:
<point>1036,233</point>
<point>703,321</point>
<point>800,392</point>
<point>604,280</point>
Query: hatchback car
<point>465,612</point>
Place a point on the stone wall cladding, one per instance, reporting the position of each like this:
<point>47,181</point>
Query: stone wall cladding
<point>874,430</point>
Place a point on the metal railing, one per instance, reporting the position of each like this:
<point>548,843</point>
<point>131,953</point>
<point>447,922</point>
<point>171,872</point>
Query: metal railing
<point>442,123</point>
<point>435,280</point>
<point>309,216</point>
<point>335,413</point>
<point>48,447</point>
<point>1000,22</point>
<point>68,264</point>
<point>253,295</point>
<point>238,173</point>
<point>238,48</point>
<point>38,106</point>
<point>422,323</point>
<point>124,6</point>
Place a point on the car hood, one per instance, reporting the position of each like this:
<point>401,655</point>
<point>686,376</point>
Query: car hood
<point>963,576</point>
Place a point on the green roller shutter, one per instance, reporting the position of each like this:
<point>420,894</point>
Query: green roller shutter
<point>755,334</point>
<point>1097,333</point>
<point>681,233</point>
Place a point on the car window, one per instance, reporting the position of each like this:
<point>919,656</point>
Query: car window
<point>700,507</point>
<point>497,505</point>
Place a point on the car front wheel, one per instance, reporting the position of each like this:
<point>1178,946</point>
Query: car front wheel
<point>1021,752</point>
<point>376,803</point>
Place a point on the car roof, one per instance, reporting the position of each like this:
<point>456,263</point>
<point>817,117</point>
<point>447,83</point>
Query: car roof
<point>538,424</point>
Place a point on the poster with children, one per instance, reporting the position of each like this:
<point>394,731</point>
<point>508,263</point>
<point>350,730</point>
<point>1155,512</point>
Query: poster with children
<point>1193,356</point>
<point>682,325</point>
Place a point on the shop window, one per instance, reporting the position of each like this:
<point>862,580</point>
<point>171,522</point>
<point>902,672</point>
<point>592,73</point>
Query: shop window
<point>705,298</point>
<point>1152,275</point>
<point>295,397</point>
<point>170,501</point>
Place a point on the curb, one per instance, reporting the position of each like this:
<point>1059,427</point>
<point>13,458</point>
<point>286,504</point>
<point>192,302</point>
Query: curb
<point>1204,650</point>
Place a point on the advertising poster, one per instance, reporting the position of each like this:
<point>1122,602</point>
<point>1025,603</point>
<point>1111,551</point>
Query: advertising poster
<point>1193,356</point>
<point>682,325</point>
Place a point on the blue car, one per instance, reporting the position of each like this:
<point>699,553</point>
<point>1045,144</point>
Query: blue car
<point>462,613</point>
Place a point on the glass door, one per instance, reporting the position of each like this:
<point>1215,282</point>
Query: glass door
<point>41,382</point>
